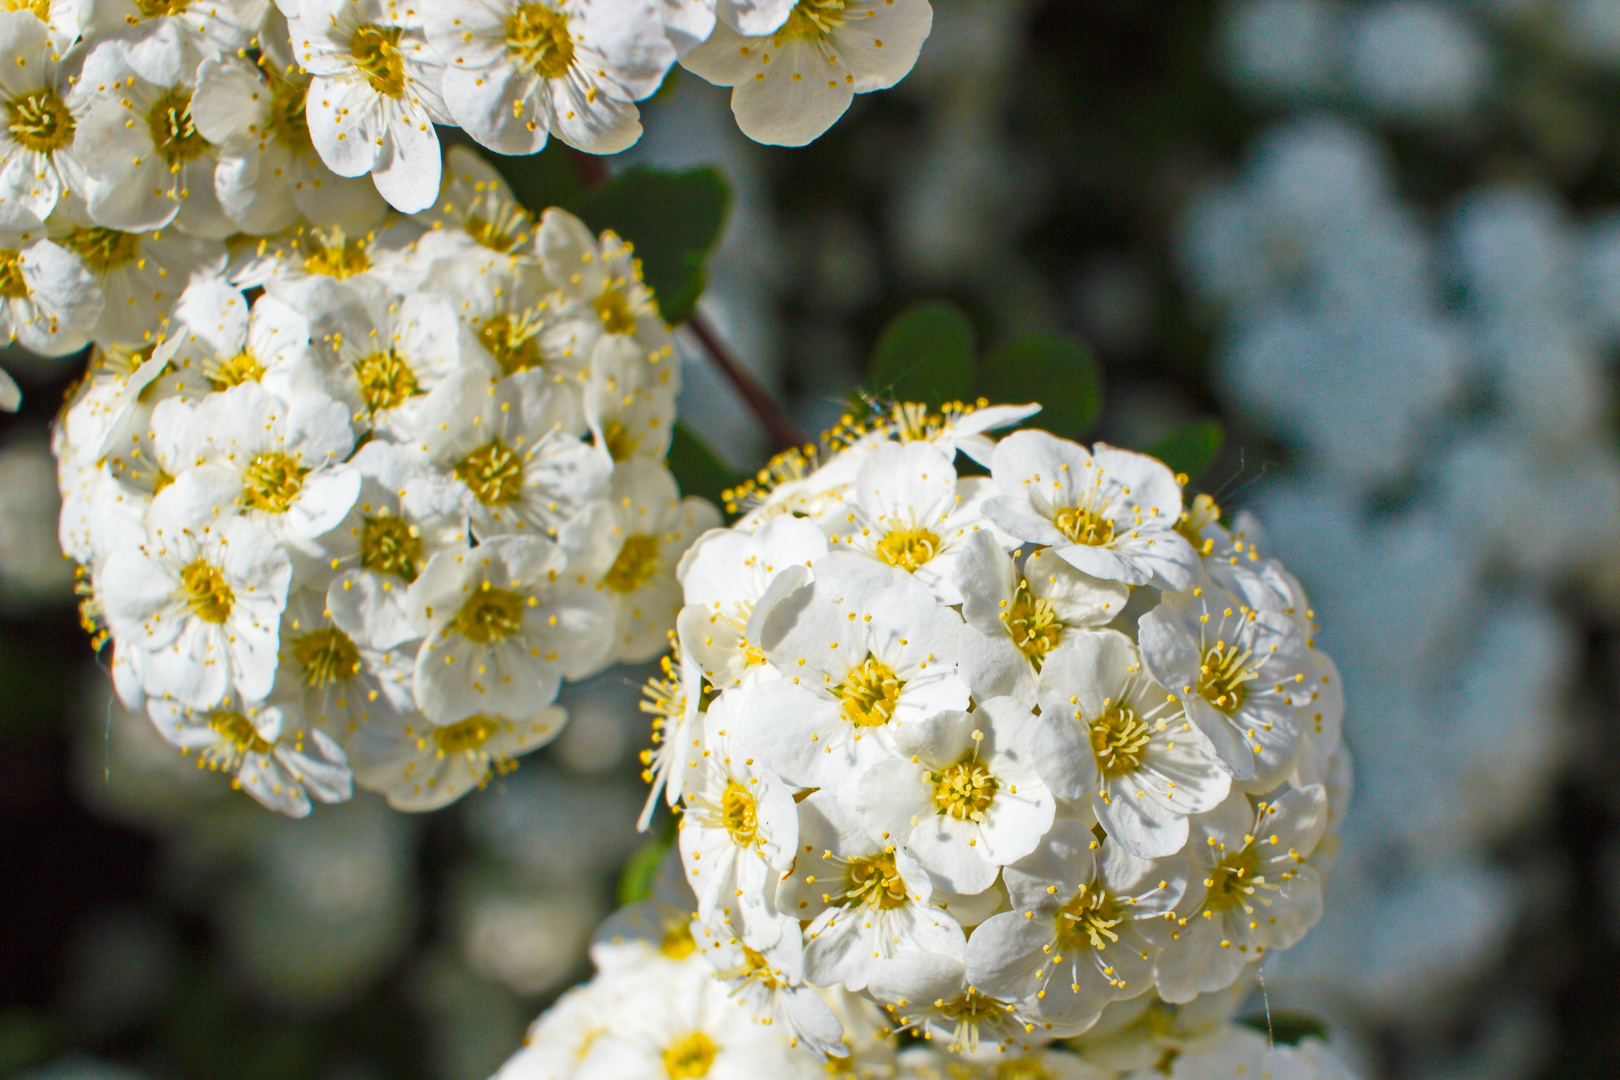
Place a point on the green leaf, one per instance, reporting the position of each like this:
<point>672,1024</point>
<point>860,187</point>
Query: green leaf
<point>1058,372</point>
<point>549,178</point>
<point>636,883</point>
<point>673,219</point>
<point>697,468</point>
<point>925,354</point>
<point>1288,1028</point>
<point>1191,448</point>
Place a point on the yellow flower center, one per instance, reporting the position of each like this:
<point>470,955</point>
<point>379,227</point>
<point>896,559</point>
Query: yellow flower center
<point>678,943</point>
<point>964,790</point>
<point>494,472</point>
<point>870,693</point>
<point>388,545</point>
<point>1233,880</point>
<point>620,443</point>
<point>376,53</point>
<point>465,737</point>
<point>239,369</point>
<point>514,343</point>
<point>207,593</point>
<point>636,564</point>
<point>287,123</point>
<point>614,311</point>
<point>738,814</point>
<point>509,227</point>
<point>326,656</point>
<point>272,482</point>
<point>1201,514</point>
<point>539,37</point>
<point>489,615</point>
<point>153,9</point>
<point>173,133</point>
<point>1222,675</point>
<point>101,248</point>
<point>41,9</point>
<point>12,285</point>
<point>1119,739</point>
<point>386,380</point>
<point>1082,525</point>
<point>1087,921</point>
<point>690,1057</point>
<point>908,548</point>
<point>813,20</point>
<point>1023,1069</point>
<point>875,881</point>
<point>335,256</point>
<point>243,736</point>
<point>40,121</point>
<point>1033,624</point>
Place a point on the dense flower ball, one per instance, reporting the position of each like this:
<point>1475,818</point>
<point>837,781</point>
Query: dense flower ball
<point>361,528</point>
<point>995,751</point>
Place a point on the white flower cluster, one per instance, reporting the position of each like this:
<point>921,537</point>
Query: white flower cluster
<point>139,135</point>
<point>670,1001</point>
<point>997,750</point>
<point>372,519</point>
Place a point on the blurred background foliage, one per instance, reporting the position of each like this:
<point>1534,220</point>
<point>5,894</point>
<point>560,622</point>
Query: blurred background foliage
<point>1353,265</point>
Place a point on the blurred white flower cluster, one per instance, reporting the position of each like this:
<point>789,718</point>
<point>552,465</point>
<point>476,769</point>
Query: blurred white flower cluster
<point>670,998</point>
<point>1444,383</point>
<point>997,750</point>
<point>371,520</point>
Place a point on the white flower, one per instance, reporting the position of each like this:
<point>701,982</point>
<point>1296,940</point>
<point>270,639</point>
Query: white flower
<point>52,301</point>
<point>505,453</point>
<point>277,463</point>
<point>203,28</point>
<point>1017,619</point>
<point>147,163</point>
<point>931,994</point>
<point>908,510</point>
<point>504,622</point>
<point>604,303</point>
<point>723,575</point>
<point>516,71</point>
<point>677,733</point>
<point>1115,737</point>
<point>140,275</point>
<point>477,215</point>
<point>794,83</point>
<point>1251,890</point>
<point>217,342</point>
<point>969,800</point>
<point>375,96</point>
<point>658,929</point>
<point>268,175</point>
<point>44,107</point>
<point>770,984</point>
<point>866,898</point>
<point>421,766</point>
<point>200,605</point>
<point>867,673</point>
<point>1109,513</point>
<point>380,354</point>
<point>637,545</point>
<point>319,269</point>
<point>338,661</point>
<point>263,754</point>
<point>737,836</point>
<point>1241,674</point>
<point>380,548</point>
<point>1071,944</point>
<point>629,398</point>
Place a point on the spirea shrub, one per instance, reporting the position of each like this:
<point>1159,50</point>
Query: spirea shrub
<point>992,734</point>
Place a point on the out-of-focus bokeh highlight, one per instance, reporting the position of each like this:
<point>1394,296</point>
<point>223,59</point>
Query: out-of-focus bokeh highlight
<point>1380,241</point>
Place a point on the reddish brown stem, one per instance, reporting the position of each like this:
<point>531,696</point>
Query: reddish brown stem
<point>783,433</point>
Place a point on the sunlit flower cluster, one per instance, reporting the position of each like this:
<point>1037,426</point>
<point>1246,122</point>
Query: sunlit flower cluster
<point>998,746</point>
<point>372,498</point>
<point>671,1000</point>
